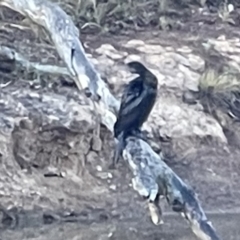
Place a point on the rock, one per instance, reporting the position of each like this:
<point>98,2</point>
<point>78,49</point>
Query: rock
<point>92,158</point>
<point>96,144</point>
<point>196,63</point>
<point>99,168</point>
<point>102,175</point>
<point>132,57</point>
<point>134,42</point>
<point>113,187</point>
<point>184,49</point>
<point>191,79</point>
<point>104,59</point>
<point>151,49</point>
<point>189,98</point>
<point>180,120</point>
<point>109,51</point>
<point>104,48</point>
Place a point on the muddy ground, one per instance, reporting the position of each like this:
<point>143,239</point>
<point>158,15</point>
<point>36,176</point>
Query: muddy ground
<point>83,199</point>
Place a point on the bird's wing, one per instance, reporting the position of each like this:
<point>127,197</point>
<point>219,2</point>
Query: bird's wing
<point>130,95</point>
<point>234,106</point>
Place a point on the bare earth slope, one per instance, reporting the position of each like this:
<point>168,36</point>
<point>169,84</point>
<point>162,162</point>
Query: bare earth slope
<point>53,169</point>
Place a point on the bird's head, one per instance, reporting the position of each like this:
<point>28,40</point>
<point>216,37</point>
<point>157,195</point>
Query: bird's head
<point>136,67</point>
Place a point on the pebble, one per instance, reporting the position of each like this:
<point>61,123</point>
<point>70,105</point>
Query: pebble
<point>184,49</point>
<point>96,144</point>
<point>134,43</point>
<point>110,175</point>
<point>151,49</point>
<point>132,57</point>
<point>105,47</point>
<point>99,168</point>
<point>110,234</point>
<point>102,175</point>
<point>113,187</point>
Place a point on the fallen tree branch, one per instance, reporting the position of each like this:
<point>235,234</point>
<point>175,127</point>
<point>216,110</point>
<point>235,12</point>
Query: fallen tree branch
<point>14,56</point>
<point>65,37</point>
<point>152,177</point>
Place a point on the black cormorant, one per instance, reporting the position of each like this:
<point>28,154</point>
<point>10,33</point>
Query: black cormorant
<point>136,104</point>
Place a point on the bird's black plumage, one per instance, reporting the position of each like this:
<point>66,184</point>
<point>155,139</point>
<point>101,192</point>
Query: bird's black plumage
<point>136,104</point>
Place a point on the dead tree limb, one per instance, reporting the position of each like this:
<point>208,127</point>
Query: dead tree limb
<point>65,37</point>
<point>13,56</point>
<point>152,177</point>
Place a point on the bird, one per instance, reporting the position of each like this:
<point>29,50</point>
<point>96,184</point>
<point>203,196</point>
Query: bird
<point>137,102</point>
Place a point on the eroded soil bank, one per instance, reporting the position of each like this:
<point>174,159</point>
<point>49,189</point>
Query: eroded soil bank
<point>54,170</point>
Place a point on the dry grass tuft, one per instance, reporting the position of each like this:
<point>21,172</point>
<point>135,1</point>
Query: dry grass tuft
<point>220,95</point>
<point>219,82</point>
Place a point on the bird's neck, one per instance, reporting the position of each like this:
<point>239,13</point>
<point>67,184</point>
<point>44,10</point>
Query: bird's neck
<point>149,79</point>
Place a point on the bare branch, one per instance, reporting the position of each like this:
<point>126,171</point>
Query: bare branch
<point>152,177</point>
<point>65,37</point>
<point>11,54</point>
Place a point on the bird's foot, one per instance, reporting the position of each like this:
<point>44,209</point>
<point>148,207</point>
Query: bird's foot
<point>115,158</point>
<point>140,134</point>
<point>112,166</point>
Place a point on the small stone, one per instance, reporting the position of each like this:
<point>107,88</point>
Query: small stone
<point>102,175</point>
<point>96,144</point>
<point>26,124</point>
<point>113,187</point>
<point>114,56</point>
<point>169,49</point>
<point>92,158</point>
<point>71,144</point>
<point>180,59</point>
<point>110,175</point>
<point>155,213</point>
<point>222,38</point>
<point>132,57</point>
<point>151,49</point>
<point>184,49</point>
<point>99,168</point>
<point>134,43</point>
<point>104,48</point>
<point>110,234</point>
<point>189,97</point>
<point>196,63</point>
<point>104,59</point>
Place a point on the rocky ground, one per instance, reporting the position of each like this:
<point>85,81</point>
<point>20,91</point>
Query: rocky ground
<point>54,170</point>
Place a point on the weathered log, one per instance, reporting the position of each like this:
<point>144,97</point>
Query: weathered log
<point>152,177</point>
<point>65,37</point>
<point>11,57</point>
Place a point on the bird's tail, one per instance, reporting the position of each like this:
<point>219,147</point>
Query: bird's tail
<point>119,148</point>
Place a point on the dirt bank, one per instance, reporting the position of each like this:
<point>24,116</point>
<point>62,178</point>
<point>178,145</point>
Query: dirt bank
<point>51,162</point>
